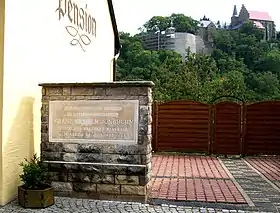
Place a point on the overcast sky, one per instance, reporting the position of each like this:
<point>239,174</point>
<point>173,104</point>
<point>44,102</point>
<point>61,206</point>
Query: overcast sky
<point>132,14</point>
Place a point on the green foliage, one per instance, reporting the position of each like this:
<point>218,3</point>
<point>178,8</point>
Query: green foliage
<point>181,22</point>
<point>263,86</point>
<point>157,23</point>
<point>229,84</point>
<point>241,65</point>
<point>184,23</point>
<point>34,173</point>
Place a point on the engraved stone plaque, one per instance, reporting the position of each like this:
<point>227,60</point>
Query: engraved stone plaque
<point>111,121</point>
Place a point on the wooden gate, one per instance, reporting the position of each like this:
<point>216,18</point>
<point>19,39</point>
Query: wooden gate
<point>188,126</point>
<point>227,128</point>
<point>181,126</point>
<point>262,133</point>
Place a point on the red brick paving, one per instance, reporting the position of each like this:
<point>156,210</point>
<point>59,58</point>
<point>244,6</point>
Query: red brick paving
<point>188,166</point>
<point>192,178</point>
<point>268,166</point>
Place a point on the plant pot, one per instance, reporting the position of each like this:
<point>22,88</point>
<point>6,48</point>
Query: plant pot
<point>36,198</point>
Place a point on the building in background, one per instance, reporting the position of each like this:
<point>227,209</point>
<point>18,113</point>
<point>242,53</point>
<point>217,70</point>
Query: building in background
<point>206,30</point>
<point>202,42</point>
<point>262,20</point>
<point>180,42</point>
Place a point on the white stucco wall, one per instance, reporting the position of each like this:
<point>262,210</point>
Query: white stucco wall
<point>185,41</point>
<point>39,41</point>
<point>37,49</point>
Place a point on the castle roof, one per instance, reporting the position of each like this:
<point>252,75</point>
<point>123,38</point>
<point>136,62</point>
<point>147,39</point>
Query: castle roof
<point>259,25</point>
<point>205,23</point>
<point>256,15</point>
<point>234,11</point>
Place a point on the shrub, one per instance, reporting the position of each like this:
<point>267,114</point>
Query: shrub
<point>35,174</point>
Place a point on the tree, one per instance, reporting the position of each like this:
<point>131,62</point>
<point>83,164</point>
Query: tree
<point>263,86</point>
<point>204,66</point>
<point>229,84</point>
<point>250,29</point>
<point>157,23</point>
<point>180,22</point>
<point>228,62</point>
<point>184,23</point>
<point>224,40</point>
<point>270,62</point>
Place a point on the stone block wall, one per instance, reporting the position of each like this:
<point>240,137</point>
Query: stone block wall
<point>100,170</point>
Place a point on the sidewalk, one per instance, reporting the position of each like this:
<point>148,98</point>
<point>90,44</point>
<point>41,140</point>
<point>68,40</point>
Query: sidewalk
<point>265,197</point>
<point>70,205</point>
<point>192,184</point>
<point>227,183</point>
<point>193,178</point>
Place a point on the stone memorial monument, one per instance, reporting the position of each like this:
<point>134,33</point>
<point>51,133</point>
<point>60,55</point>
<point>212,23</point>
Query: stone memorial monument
<point>96,139</point>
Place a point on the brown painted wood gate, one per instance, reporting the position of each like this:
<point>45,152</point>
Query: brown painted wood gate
<point>262,130</point>
<point>224,128</point>
<point>227,128</point>
<point>181,126</point>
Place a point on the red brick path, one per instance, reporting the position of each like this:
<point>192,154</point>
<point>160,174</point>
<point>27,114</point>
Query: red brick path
<point>192,178</point>
<point>268,166</point>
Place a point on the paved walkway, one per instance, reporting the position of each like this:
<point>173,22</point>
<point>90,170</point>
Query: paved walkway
<point>68,205</point>
<point>269,167</point>
<point>193,184</point>
<point>193,178</point>
<point>262,194</point>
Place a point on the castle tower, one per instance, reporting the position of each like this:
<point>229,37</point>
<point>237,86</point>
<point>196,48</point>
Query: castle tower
<point>234,11</point>
<point>234,18</point>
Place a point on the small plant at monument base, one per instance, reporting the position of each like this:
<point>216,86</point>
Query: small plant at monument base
<point>36,192</point>
<point>34,173</point>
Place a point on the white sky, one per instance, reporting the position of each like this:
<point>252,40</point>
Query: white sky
<point>132,14</point>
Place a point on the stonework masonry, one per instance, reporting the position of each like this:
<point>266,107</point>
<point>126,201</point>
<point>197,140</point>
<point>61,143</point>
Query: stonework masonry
<point>99,170</point>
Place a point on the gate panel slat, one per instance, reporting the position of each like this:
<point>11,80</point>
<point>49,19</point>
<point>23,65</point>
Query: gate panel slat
<point>262,128</point>
<point>183,126</point>
<point>227,128</point>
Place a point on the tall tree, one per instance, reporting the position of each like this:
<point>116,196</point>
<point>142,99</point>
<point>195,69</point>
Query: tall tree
<point>157,23</point>
<point>180,22</point>
<point>184,23</point>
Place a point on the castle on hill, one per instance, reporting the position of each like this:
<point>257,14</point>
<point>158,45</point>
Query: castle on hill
<point>202,41</point>
<point>262,20</point>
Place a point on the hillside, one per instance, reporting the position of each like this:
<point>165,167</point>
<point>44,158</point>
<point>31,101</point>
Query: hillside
<point>241,65</point>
